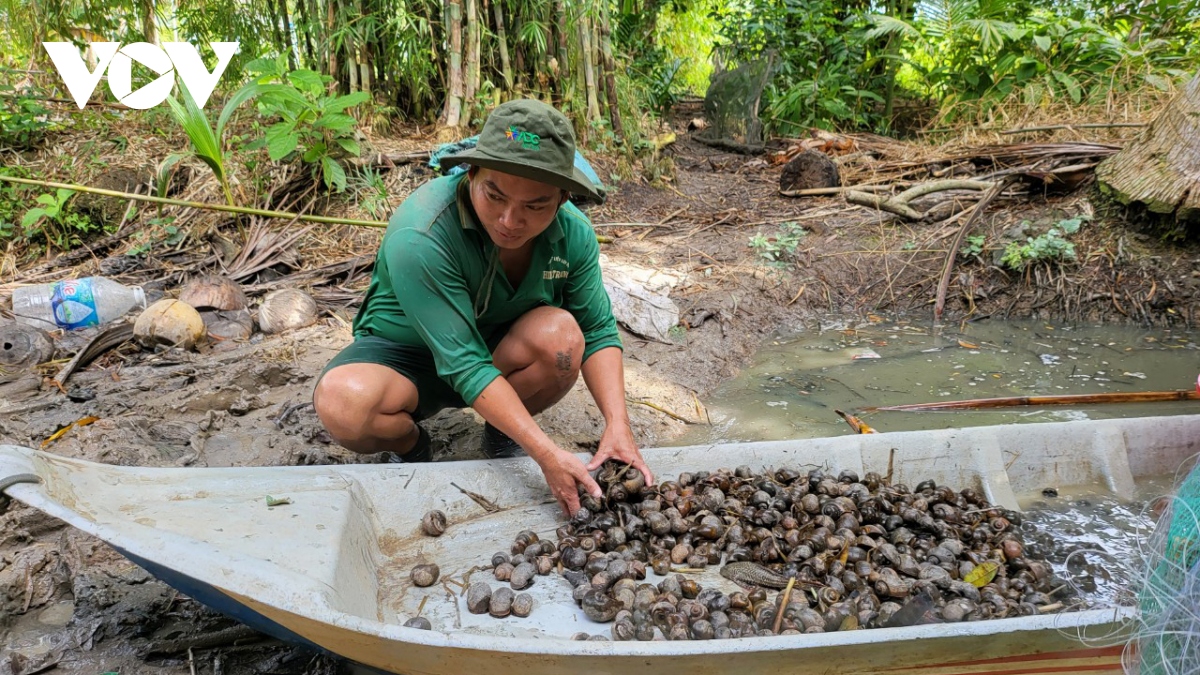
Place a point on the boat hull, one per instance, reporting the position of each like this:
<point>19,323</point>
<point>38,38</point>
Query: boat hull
<point>330,568</point>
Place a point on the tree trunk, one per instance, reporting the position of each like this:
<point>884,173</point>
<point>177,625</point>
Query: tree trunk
<point>1161,167</point>
<point>561,72</point>
<point>502,38</point>
<point>598,61</point>
<point>589,69</point>
<point>310,58</point>
<point>471,71</point>
<point>329,46</point>
<point>610,73</point>
<point>149,22</point>
<point>287,33</point>
<point>453,110</point>
<point>273,10</point>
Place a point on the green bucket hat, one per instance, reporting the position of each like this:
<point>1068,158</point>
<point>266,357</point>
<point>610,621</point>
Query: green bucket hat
<point>530,139</point>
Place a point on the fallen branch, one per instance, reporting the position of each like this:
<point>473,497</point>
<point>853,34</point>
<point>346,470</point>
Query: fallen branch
<point>900,204</point>
<point>1066,399</point>
<point>818,192</point>
<point>943,285</point>
<point>1054,127</point>
<point>197,205</point>
<point>206,641</point>
<point>668,413</point>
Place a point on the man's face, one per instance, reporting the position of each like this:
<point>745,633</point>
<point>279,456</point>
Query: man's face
<point>512,209</point>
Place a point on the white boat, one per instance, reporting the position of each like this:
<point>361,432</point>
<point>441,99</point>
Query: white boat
<point>330,568</point>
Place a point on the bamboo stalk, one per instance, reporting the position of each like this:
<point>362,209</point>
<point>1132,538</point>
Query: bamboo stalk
<point>589,72</point>
<point>502,39</point>
<point>197,205</point>
<point>471,68</point>
<point>610,78</point>
<point>454,100</point>
<point>1066,399</point>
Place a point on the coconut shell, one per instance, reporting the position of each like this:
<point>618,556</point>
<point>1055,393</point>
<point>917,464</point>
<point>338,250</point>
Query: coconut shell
<point>21,348</point>
<point>234,324</point>
<point>286,309</point>
<point>169,322</point>
<point>212,292</point>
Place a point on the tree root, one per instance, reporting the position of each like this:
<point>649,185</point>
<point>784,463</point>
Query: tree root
<point>900,204</point>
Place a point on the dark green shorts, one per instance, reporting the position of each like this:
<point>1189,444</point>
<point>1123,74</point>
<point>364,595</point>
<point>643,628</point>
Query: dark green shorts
<point>414,363</point>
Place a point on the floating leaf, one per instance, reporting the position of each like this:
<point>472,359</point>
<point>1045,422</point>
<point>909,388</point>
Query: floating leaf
<point>983,574</point>
<point>967,345</point>
<point>280,501</point>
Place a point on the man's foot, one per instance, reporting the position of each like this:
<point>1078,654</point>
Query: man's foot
<point>422,451</point>
<point>497,445</point>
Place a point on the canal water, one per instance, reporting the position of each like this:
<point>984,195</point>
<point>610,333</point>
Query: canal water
<point>797,381</point>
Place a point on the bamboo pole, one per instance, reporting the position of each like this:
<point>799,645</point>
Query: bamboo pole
<point>470,61</point>
<point>197,205</point>
<point>589,72</point>
<point>454,100</point>
<point>502,39</point>
<point>1067,399</point>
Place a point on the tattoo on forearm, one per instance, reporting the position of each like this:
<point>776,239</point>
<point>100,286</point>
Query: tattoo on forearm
<point>562,361</point>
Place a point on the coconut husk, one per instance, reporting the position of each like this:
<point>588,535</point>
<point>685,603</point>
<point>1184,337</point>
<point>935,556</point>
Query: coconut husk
<point>214,292</point>
<point>286,309</point>
<point>169,322</point>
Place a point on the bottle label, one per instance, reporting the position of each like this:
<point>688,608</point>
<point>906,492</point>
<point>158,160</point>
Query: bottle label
<point>74,304</point>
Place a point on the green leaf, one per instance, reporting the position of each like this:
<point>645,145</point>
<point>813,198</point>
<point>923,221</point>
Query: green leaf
<point>63,194</point>
<point>1042,41</point>
<point>314,152</point>
<point>1070,225</point>
<point>335,122</point>
<point>1071,84</point>
<point>48,200</point>
<point>32,216</point>
<point>349,145</point>
<point>307,81</point>
<point>263,67</point>
<point>204,142</point>
<point>281,141</point>
<point>239,97</point>
<point>162,176</point>
<point>350,100</point>
<point>334,174</point>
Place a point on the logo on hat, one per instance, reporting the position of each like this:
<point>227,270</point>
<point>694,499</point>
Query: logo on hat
<point>528,140</point>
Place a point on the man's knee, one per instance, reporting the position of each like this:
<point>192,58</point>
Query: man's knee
<point>559,341</point>
<point>345,401</point>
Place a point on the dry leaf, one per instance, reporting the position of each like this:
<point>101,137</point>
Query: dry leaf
<point>983,574</point>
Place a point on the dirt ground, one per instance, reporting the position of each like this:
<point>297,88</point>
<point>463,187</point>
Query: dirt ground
<point>69,604</point>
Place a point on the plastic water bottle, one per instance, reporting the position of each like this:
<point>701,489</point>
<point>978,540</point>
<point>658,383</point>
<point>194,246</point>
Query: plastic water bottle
<point>75,303</point>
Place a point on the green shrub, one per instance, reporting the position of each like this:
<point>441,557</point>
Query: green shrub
<point>779,250</point>
<point>1050,247</point>
<point>313,125</point>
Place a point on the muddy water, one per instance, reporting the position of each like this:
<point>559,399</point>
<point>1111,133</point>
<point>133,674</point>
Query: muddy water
<point>798,381</point>
<point>1096,543</point>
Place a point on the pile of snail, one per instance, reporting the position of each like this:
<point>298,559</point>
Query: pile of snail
<point>858,553</point>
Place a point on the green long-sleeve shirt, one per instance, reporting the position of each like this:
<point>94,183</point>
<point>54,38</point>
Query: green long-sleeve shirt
<point>438,283</point>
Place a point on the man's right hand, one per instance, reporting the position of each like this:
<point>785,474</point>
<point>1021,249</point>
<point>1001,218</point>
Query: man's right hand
<point>563,471</point>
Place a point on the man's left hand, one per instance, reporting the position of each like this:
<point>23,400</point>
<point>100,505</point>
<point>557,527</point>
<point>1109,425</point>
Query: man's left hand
<point>617,443</point>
